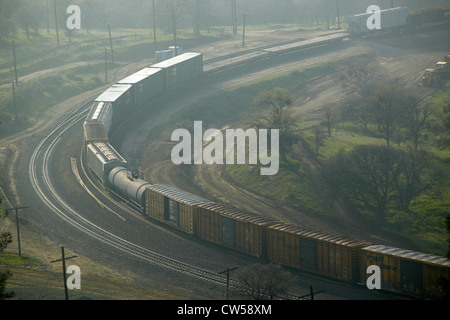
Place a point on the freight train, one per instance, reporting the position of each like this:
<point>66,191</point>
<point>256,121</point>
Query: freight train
<point>395,20</point>
<point>263,238</point>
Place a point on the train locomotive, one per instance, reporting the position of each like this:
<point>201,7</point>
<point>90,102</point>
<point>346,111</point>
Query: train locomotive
<point>265,239</point>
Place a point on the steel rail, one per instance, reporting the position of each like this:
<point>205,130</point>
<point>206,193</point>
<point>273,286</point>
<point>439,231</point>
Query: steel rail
<point>67,213</point>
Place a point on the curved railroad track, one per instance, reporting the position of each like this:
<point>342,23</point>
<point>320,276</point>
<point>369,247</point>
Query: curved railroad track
<point>47,193</point>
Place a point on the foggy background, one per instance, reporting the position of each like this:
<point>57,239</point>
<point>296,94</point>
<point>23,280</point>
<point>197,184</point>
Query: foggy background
<point>35,15</point>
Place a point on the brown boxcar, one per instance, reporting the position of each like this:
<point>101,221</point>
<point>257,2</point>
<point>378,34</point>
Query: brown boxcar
<point>405,271</point>
<point>172,206</point>
<point>313,251</point>
<point>232,228</point>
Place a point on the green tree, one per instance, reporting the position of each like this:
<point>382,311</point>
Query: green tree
<point>274,111</point>
<point>5,239</point>
<point>367,176</point>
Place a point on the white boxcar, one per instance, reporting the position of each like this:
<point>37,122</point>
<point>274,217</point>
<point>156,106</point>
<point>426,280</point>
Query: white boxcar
<point>146,84</point>
<point>101,112</point>
<point>102,158</point>
<point>389,18</point>
<point>181,68</point>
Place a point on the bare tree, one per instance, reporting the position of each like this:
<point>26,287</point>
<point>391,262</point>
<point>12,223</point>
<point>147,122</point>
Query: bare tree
<point>359,82</point>
<point>415,176</point>
<point>328,120</point>
<point>360,78</point>
<point>199,12</point>
<point>416,119</point>
<point>319,137</point>
<point>263,282</point>
<point>387,105</point>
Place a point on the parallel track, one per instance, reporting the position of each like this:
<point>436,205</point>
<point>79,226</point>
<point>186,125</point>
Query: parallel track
<point>68,214</point>
<point>47,193</point>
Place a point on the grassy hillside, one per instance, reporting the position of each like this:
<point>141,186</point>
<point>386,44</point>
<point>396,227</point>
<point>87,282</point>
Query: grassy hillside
<point>49,73</point>
<point>423,225</point>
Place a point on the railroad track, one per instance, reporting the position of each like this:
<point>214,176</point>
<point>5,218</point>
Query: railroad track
<point>41,182</point>
<point>46,191</point>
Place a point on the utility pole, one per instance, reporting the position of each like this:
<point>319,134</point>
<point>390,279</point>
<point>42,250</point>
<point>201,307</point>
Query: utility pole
<point>56,21</point>
<point>228,279</point>
<point>154,27</point>
<point>243,32</point>
<point>311,293</point>
<point>338,14</point>
<point>392,3</point>
<point>48,20</point>
<point>16,209</point>
<point>106,66</point>
<point>110,41</point>
<point>174,30</point>
<point>15,62</point>
<point>234,16</point>
<point>14,100</point>
<point>63,259</point>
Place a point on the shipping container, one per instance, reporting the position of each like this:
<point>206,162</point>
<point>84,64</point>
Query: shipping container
<point>119,95</point>
<point>163,55</point>
<point>101,112</point>
<point>146,84</point>
<point>313,251</point>
<point>94,132</point>
<point>176,50</point>
<point>172,206</point>
<point>101,158</point>
<point>405,271</point>
<point>389,19</point>
<point>180,69</point>
<point>232,228</point>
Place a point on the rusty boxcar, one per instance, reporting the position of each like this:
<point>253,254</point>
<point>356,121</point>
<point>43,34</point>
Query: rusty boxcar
<point>233,228</point>
<point>172,206</point>
<point>316,252</point>
<point>405,271</point>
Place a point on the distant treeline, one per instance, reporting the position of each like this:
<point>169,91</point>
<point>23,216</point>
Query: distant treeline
<point>35,16</point>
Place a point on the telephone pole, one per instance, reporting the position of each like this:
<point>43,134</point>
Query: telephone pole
<point>56,21</point>
<point>15,63</point>
<point>63,259</point>
<point>106,66</point>
<point>16,209</point>
<point>338,14</point>
<point>174,30</point>
<point>154,27</point>
<point>110,41</point>
<point>311,293</point>
<point>243,32</point>
<point>228,279</point>
<point>234,16</point>
<point>14,100</point>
